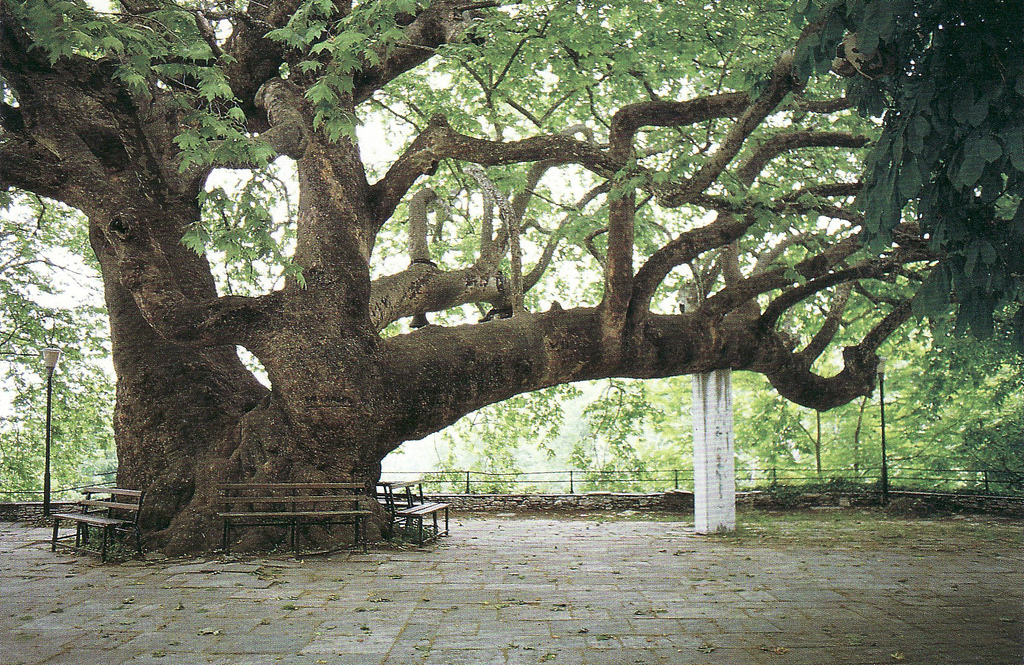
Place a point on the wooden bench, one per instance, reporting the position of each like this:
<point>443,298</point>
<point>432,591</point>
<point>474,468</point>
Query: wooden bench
<point>291,505</point>
<point>413,515</point>
<point>393,493</point>
<point>116,510</point>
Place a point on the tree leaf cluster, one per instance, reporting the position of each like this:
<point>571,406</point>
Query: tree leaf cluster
<point>250,224</point>
<point>947,79</point>
<point>160,51</point>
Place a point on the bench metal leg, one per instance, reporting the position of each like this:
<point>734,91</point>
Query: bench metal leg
<point>53,542</point>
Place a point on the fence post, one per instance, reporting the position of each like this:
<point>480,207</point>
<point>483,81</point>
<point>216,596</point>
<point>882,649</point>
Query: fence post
<point>775,479</point>
<point>571,488</point>
<point>467,482</point>
<point>985,472</point>
<point>675,478</point>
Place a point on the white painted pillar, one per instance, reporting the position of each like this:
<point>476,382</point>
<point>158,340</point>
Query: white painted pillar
<point>714,469</point>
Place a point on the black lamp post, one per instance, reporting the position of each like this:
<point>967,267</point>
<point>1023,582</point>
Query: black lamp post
<point>885,461</point>
<point>50,358</point>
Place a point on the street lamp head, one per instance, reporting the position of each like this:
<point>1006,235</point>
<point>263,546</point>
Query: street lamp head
<point>50,358</point>
<point>688,299</point>
<point>881,365</point>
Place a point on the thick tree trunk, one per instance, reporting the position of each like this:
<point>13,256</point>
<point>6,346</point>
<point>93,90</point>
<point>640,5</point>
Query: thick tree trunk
<point>177,409</point>
<point>186,418</point>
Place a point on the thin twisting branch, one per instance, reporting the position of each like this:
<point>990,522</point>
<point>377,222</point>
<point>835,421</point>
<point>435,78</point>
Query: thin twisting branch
<point>439,141</point>
<point>419,251</point>
<point>491,247</point>
<point>803,291</point>
<point>824,106</point>
<point>828,330</point>
<point>684,249</point>
<point>887,326</point>
<point>781,84</point>
<point>768,258</point>
<point>588,242</point>
<point>522,199</point>
<point>510,222</point>
<point>531,279</point>
<point>629,119</point>
<point>732,297</point>
<point>784,142</point>
<point>207,33</point>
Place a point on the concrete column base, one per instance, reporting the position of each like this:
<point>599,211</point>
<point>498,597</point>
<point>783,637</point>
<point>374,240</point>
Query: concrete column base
<point>714,470</point>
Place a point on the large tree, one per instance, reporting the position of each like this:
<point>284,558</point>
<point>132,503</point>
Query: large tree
<point>635,152</point>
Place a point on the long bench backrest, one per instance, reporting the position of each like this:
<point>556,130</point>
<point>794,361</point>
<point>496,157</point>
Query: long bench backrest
<point>281,497</point>
<point>119,503</point>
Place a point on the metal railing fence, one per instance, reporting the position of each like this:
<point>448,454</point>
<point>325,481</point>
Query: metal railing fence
<point>578,481</point>
<point>573,481</point>
<point>101,480</point>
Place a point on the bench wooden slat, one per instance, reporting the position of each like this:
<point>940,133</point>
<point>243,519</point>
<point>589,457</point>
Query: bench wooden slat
<point>111,490</point>
<point>421,509</point>
<point>108,504</point>
<point>400,484</point>
<point>414,515</point>
<point>322,498</point>
<point>96,513</point>
<point>91,518</point>
<point>297,513</point>
<point>267,504</point>
<point>288,486</point>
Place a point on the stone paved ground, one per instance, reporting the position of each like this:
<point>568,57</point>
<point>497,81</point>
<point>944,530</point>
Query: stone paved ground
<point>539,590</point>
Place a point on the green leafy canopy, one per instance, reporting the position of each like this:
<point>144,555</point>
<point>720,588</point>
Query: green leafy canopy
<point>947,79</point>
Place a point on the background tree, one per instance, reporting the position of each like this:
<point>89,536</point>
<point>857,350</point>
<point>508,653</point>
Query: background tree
<point>505,440</point>
<point>643,146</point>
<point>38,244</point>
